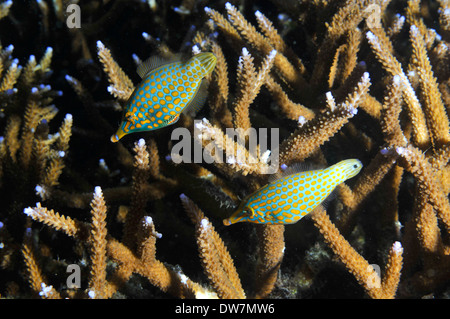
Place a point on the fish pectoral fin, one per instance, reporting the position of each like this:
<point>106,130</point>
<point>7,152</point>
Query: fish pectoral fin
<point>197,102</point>
<point>173,119</point>
<point>252,212</point>
<point>130,117</point>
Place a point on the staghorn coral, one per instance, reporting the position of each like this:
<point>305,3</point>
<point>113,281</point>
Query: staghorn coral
<point>344,79</point>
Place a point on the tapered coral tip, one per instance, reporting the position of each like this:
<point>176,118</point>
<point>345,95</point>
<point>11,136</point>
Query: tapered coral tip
<point>204,223</point>
<point>98,191</point>
<point>226,222</point>
<point>301,120</point>
<point>400,150</point>
<point>397,248</point>
<point>28,211</point>
<point>148,221</point>
<point>272,54</point>
<point>141,142</point>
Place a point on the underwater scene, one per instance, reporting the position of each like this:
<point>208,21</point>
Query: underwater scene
<point>248,149</point>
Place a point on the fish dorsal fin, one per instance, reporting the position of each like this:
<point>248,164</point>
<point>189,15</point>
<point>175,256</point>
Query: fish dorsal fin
<point>198,100</point>
<point>155,62</point>
<point>293,169</point>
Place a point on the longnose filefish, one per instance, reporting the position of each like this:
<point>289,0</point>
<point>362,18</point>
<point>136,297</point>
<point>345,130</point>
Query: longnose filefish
<point>288,199</point>
<point>167,89</point>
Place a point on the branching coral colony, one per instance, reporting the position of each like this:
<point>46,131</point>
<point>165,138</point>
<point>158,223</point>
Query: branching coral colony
<point>340,79</point>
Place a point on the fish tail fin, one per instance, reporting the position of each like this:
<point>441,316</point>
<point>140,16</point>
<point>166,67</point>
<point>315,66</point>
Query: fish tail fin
<point>207,60</point>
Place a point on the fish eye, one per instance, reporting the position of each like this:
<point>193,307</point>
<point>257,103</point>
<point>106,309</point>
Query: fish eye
<point>355,166</point>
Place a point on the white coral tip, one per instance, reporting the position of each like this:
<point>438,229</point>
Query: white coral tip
<point>301,120</point>
<point>397,248</point>
<point>148,221</point>
<point>370,36</point>
<point>204,223</point>
<point>98,191</point>
<point>396,79</point>
<point>28,211</point>
<point>329,95</point>
<point>400,150</point>
<point>366,76</point>
<point>272,54</point>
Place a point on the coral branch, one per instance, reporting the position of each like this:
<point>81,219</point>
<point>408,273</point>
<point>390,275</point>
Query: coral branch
<point>68,225</point>
<point>305,140</point>
<point>98,244</point>
<point>271,239</point>
<point>121,86</point>
<point>216,260</point>
<point>356,264</point>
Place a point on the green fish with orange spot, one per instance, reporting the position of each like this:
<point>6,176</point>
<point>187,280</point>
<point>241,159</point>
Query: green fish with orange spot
<point>168,88</point>
<point>290,198</point>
